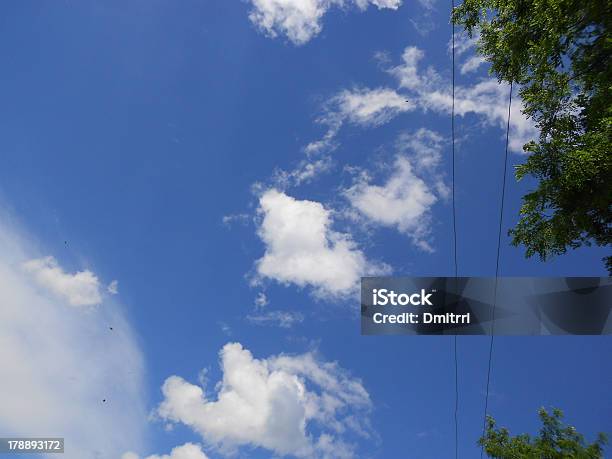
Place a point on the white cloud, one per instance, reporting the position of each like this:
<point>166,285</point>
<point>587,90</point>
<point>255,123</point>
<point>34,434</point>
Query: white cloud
<point>407,73</point>
<point>487,98</point>
<point>463,42</point>
<point>369,107</point>
<point>426,90</point>
<point>362,107</point>
<point>225,328</point>
<point>186,451</point>
<point>300,20</point>
<point>424,25</point>
<point>60,362</point>
<point>273,403</point>
<point>242,218</point>
<point>282,319</point>
<point>403,201</point>
<point>472,64</point>
<point>425,147</point>
<point>113,287</point>
<point>301,247</point>
<point>261,300</point>
<point>79,289</point>
<point>427,4</point>
<point>304,172</point>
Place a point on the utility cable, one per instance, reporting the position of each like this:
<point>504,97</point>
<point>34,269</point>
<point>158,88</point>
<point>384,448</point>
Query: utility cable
<point>501,218</point>
<point>454,229</point>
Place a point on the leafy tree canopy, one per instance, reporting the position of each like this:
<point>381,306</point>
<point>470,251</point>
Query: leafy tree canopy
<point>559,53</point>
<point>555,441</point>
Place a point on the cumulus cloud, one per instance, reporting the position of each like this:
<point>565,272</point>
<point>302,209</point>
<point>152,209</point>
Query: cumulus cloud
<point>79,289</point>
<point>282,319</point>
<point>186,451</point>
<point>300,20</point>
<point>405,199</point>
<point>401,201</point>
<point>290,405</point>
<point>302,248</point>
<point>60,362</point>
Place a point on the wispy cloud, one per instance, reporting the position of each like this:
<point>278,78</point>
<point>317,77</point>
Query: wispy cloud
<point>423,23</point>
<point>463,42</point>
<point>242,218</point>
<point>472,64</point>
<point>261,315</point>
<point>282,319</point>
<point>225,328</point>
<point>113,287</point>
<point>261,300</point>
<point>466,44</point>
<point>486,99</point>
<point>359,106</point>
<point>425,90</point>
<point>305,171</point>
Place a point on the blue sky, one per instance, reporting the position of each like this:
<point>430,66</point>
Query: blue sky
<point>172,146</point>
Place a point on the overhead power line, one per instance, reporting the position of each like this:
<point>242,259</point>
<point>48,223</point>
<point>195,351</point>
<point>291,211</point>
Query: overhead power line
<point>501,218</point>
<point>454,230</point>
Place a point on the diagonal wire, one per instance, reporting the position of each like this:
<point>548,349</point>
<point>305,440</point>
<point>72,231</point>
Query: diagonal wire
<point>454,230</point>
<point>501,217</point>
<point>453,145</point>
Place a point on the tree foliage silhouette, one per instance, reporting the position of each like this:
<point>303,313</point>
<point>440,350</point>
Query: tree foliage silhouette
<point>559,53</point>
<point>555,441</point>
